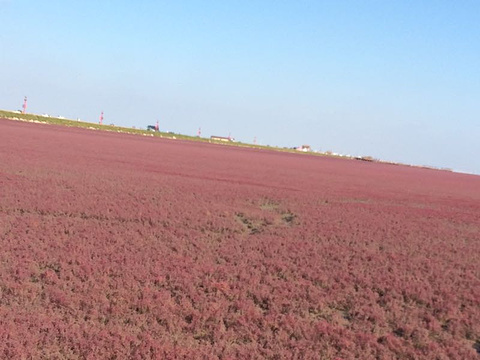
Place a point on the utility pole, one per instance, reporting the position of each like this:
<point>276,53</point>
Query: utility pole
<point>24,107</point>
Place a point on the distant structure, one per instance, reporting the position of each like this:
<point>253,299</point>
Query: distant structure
<point>199,132</point>
<point>255,140</point>
<point>365,158</point>
<point>304,148</point>
<point>101,118</point>
<point>156,126</point>
<point>222,138</point>
<point>24,107</point>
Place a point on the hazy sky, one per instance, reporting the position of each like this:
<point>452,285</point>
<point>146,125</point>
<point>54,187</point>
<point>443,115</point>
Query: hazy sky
<point>396,80</point>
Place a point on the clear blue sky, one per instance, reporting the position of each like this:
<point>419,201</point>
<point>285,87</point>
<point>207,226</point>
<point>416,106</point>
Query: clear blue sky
<point>396,80</point>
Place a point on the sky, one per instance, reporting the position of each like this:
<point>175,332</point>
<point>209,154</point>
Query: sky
<point>395,80</point>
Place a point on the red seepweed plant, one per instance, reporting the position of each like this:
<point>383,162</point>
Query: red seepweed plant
<point>120,246</point>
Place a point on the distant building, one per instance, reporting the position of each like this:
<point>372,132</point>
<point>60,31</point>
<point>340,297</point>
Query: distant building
<point>365,158</point>
<point>222,138</point>
<point>304,148</point>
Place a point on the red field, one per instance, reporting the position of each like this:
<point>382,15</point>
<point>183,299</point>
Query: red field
<point>116,246</point>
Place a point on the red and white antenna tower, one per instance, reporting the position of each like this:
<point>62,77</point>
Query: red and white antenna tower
<point>101,118</point>
<point>24,107</point>
<point>199,132</point>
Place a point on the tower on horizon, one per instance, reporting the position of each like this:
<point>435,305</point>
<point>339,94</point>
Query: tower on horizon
<point>24,107</point>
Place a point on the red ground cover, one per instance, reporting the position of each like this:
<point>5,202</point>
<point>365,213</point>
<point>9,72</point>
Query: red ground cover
<point>117,246</point>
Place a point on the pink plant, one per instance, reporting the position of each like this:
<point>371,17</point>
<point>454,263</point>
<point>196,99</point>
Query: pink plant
<point>118,246</point>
